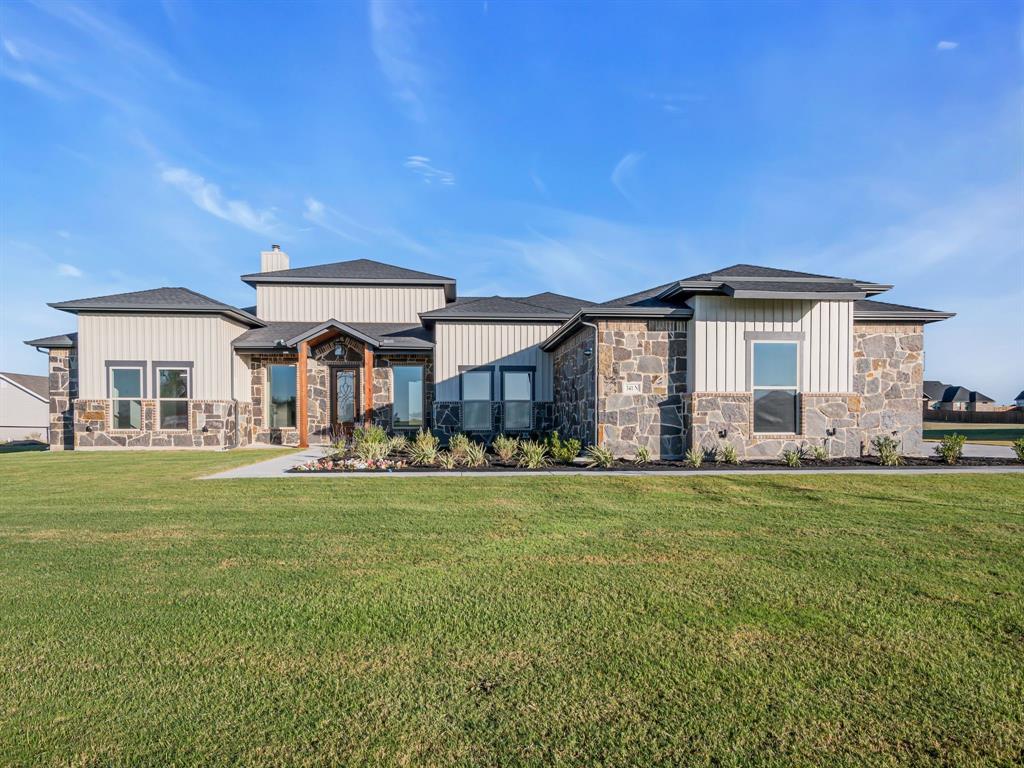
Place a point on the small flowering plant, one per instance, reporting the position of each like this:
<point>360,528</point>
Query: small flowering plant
<point>338,464</point>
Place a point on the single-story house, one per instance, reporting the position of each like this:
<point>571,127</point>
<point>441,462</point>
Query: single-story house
<point>24,407</point>
<point>1019,399</point>
<point>952,397</point>
<point>765,359</point>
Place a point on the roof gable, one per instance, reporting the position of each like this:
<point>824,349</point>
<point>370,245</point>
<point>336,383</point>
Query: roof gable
<point>156,300</point>
<point>353,271</point>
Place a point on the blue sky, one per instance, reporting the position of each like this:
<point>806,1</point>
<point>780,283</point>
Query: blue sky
<point>589,149</point>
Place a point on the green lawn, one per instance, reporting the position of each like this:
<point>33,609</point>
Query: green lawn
<point>995,434</point>
<point>147,619</point>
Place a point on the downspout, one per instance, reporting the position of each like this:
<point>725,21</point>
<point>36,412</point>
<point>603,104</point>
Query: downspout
<point>597,369</point>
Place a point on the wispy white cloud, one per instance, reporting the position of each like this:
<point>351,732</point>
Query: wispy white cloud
<point>11,48</point>
<point>394,38</point>
<point>68,270</point>
<point>421,165</point>
<point>30,80</point>
<point>947,45</point>
<point>675,103</point>
<point>623,173</point>
<point>538,182</point>
<point>327,218</point>
<point>209,198</point>
<point>348,228</point>
<point>64,234</point>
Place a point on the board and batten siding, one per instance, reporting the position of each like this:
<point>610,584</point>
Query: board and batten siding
<point>718,347</point>
<point>493,344</point>
<point>347,303</point>
<point>203,340</point>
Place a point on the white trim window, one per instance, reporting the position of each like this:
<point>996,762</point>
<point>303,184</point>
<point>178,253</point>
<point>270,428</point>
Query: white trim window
<point>125,397</point>
<point>174,389</point>
<point>776,371</point>
<point>477,387</point>
<point>517,399</point>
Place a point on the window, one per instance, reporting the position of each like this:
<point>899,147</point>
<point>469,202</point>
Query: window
<point>126,398</point>
<point>408,396</point>
<point>775,387</point>
<point>172,390</point>
<point>517,394</point>
<point>476,400</point>
<point>283,395</point>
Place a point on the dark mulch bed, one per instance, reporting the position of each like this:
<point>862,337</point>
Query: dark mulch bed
<point>910,462</point>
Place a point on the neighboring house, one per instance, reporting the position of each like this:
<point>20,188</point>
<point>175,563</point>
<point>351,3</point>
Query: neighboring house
<point>24,407</point>
<point>766,359</point>
<point>947,397</point>
<point>1019,399</point>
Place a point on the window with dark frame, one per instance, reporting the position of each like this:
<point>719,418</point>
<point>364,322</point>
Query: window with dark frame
<point>477,386</point>
<point>173,393</point>
<point>283,396</point>
<point>126,397</point>
<point>407,408</point>
<point>517,399</point>
<point>776,391</point>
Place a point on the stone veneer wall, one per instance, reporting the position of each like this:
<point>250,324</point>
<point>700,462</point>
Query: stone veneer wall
<point>733,412</point>
<point>63,385</point>
<point>447,420</point>
<point>211,424</point>
<point>888,373</point>
<point>574,386</point>
<point>651,354</point>
<point>383,387</point>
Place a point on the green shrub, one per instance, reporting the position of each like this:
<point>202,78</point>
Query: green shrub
<point>370,451</point>
<point>457,445</point>
<point>643,455</point>
<point>423,450</point>
<point>727,454</point>
<point>819,453</point>
<point>533,455</point>
<point>447,460</point>
<point>888,449</point>
<point>562,451</point>
<point>475,455</point>
<point>1018,448</point>
<point>951,447</point>
<point>370,434</point>
<point>599,456</point>
<point>505,447</point>
<point>794,457</point>
<point>694,457</point>
<point>398,445</point>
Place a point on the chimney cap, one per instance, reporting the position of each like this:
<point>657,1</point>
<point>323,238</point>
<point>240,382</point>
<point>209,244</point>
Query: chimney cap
<point>275,247</point>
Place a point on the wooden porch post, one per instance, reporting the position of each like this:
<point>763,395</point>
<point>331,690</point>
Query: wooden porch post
<point>303,387</point>
<point>367,384</point>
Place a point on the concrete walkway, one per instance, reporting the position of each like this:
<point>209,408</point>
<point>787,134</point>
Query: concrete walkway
<point>278,466</point>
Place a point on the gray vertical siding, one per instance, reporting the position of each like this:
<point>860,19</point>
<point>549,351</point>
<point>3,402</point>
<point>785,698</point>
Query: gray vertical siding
<point>497,344</point>
<point>718,352</point>
<point>347,303</point>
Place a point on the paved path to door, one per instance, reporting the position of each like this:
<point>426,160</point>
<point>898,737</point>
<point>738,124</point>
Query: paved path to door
<point>278,466</point>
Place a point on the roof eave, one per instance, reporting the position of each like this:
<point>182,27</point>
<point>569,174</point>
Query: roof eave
<point>741,293</point>
<point>259,278</point>
<point>337,325</point>
<point>427,317</point>
<point>35,343</point>
<point>25,389</point>
<point>927,316</point>
<point>597,313</point>
<point>157,309</point>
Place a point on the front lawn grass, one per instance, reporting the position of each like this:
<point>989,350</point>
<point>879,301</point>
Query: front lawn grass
<point>149,619</point>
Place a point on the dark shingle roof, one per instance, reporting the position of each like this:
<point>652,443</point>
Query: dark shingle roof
<point>156,300</point>
<point>541,306</point>
<point>386,335</point>
<point>934,389</point>
<point>1020,396</point>
<point>37,385</point>
<point>755,271</point>
<point>353,271</point>
<point>869,309</point>
<point>556,301</point>
<point>55,342</point>
<point>642,299</point>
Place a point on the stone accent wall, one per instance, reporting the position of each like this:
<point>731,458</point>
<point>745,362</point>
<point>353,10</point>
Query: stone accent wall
<point>650,354</point>
<point>888,372</point>
<point>260,431</point>
<point>574,386</point>
<point>733,412</point>
<point>383,386</point>
<point>447,420</point>
<point>63,371</point>
<point>211,425</point>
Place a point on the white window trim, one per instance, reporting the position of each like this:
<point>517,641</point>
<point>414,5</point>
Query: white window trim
<point>113,400</point>
<point>186,399</point>
<point>782,338</point>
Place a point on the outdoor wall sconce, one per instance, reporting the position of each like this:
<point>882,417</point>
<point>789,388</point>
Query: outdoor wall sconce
<point>723,433</point>
<point>88,427</point>
<point>205,428</point>
<point>588,351</point>
<point>831,431</point>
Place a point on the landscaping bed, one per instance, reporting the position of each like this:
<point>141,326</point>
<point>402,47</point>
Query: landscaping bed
<point>373,451</point>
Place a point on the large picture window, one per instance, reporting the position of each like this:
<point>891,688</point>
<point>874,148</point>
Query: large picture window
<point>775,387</point>
<point>283,396</point>
<point>126,398</point>
<point>476,400</point>
<point>517,397</point>
<point>173,392</point>
<point>408,396</point>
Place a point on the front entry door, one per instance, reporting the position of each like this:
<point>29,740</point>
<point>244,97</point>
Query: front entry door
<point>346,399</point>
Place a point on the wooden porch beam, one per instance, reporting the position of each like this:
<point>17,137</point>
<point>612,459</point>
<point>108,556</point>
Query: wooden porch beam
<point>367,384</point>
<point>303,392</point>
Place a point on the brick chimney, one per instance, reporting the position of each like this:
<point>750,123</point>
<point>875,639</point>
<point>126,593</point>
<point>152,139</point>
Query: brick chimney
<point>273,260</point>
